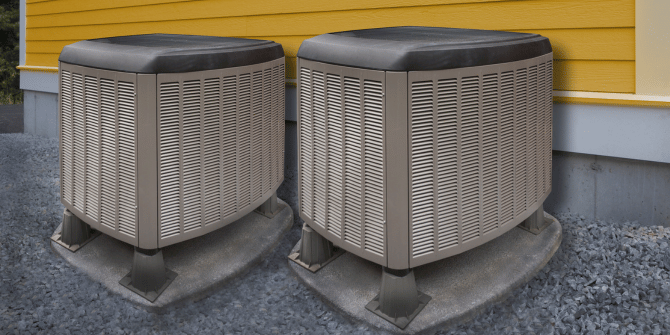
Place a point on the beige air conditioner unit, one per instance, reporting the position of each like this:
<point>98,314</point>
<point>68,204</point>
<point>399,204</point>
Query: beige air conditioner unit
<point>164,138</point>
<point>418,143</point>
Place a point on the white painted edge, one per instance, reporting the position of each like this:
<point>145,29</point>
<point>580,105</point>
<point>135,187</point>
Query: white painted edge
<point>22,32</point>
<point>630,132</point>
<point>611,96</point>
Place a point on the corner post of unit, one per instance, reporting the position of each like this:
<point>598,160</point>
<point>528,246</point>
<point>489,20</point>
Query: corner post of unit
<point>147,162</point>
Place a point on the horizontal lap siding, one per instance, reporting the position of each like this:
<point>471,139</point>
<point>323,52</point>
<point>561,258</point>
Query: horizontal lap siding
<point>593,41</point>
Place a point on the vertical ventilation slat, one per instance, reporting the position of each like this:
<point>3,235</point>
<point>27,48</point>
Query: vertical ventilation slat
<point>422,168</point>
<point>191,140</point>
<point>549,122</point>
<point>447,163</point>
<point>334,147</point>
<point>352,164</point>
<point>244,140</point>
<point>211,151</point>
<point>531,141</point>
<point>256,135</point>
<point>375,195</point>
<point>92,146</point>
<point>507,146</point>
<point>306,142</point>
<point>320,150</point>
<point>109,154</point>
<point>267,131</point>
<point>66,135</point>
<point>276,150</point>
<point>127,154</point>
<point>490,152</point>
<point>229,162</point>
<point>520,140</point>
<point>469,165</point>
<point>79,142</point>
<point>169,159</point>
<point>280,122</point>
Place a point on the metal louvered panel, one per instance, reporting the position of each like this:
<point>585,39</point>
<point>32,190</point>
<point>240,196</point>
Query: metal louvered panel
<point>548,132</point>
<point>342,156</point>
<point>335,159</point>
<point>98,122</point>
<point>506,146</point>
<point>228,140</point>
<point>127,158</point>
<point>169,138</point>
<point>469,168</point>
<point>217,159</point>
<point>79,142</point>
<point>489,155</point>
<point>375,193</point>
<point>422,197</point>
<point>320,152</point>
<point>447,163</point>
<point>210,150</point>
<point>487,135</point>
<point>306,141</point>
<point>109,156</point>
<point>353,197</point>
<point>191,155</point>
<point>92,146</point>
<point>66,136</point>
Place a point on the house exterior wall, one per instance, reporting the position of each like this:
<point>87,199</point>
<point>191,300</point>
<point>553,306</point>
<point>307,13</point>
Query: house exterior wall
<point>610,95</point>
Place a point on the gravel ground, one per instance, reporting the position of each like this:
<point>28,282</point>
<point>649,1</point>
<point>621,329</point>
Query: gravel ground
<point>606,278</point>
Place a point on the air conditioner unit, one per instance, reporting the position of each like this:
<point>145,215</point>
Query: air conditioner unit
<point>418,143</point>
<point>164,138</point>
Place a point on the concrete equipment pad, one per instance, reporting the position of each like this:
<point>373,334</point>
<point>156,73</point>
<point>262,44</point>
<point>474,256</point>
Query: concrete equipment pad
<point>460,286</point>
<point>202,264</point>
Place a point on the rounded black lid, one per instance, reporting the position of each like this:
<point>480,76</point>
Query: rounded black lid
<point>164,53</point>
<point>422,48</point>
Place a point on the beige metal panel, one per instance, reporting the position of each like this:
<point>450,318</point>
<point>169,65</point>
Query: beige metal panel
<point>216,144</point>
<point>147,162</point>
<point>342,157</point>
<point>98,114</point>
<point>652,69</point>
<point>397,200</point>
<point>463,155</point>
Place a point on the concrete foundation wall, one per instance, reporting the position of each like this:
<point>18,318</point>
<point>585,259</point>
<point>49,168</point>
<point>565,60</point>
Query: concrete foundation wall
<point>40,113</point>
<point>604,187</point>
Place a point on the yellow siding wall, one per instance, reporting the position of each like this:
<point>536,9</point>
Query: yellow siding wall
<point>593,40</point>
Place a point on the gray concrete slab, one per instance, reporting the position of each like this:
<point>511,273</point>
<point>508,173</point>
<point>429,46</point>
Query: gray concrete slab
<point>573,184</point>
<point>460,286</point>
<point>40,113</point>
<point>202,264</point>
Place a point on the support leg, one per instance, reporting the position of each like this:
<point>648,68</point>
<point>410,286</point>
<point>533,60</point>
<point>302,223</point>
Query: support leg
<point>398,302</point>
<point>74,232</point>
<point>149,277</point>
<point>315,250</point>
<point>536,222</point>
<point>270,207</point>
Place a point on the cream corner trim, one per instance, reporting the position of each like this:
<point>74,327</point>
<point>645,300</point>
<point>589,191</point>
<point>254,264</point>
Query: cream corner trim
<point>37,68</point>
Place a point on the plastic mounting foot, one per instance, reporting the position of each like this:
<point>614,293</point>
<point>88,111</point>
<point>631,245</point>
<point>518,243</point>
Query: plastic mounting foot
<point>74,232</point>
<point>270,207</point>
<point>315,250</point>
<point>536,222</point>
<point>149,277</point>
<point>398,301</point>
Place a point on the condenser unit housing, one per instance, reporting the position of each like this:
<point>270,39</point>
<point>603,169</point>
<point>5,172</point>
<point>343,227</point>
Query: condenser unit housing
<point>416,143</point>
<point>167,137</point>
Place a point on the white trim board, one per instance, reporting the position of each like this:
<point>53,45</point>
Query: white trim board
<point>39,81</point>
<point>22,32</point>
<point>627,132</point>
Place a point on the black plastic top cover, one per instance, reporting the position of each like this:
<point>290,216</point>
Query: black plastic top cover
<point>163,53</point>
<point>422,48</point>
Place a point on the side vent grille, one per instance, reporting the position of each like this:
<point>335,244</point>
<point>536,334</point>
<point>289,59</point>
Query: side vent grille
<point>98,139</point>
<point>480,151</point>
<point>342,187</point>
<point>218,139</point>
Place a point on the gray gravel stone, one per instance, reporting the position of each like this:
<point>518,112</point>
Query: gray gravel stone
<point>606,278</point>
